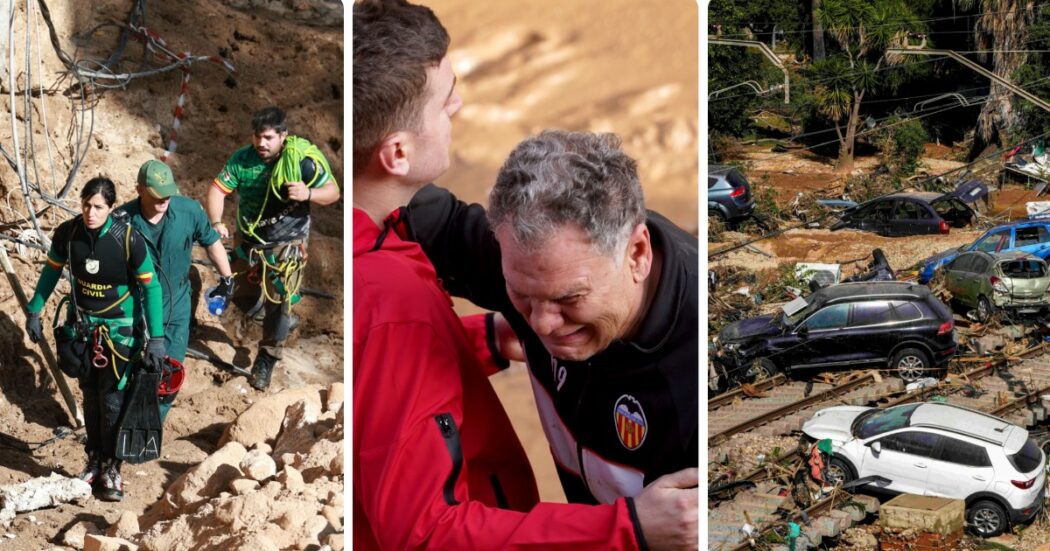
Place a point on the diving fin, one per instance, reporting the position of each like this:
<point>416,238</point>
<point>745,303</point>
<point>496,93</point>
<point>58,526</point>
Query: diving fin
<point>139,429</point>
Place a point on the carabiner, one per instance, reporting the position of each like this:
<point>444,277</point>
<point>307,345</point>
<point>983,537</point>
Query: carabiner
<point>99,360</point>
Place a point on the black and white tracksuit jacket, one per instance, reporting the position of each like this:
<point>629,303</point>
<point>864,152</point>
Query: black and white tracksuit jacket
<point>626,416</point>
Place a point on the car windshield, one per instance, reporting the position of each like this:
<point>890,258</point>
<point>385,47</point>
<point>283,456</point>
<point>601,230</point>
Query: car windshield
<point>1028,458</point>
<point>877,421</point>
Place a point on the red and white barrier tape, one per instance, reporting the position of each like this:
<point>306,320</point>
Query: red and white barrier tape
<point>155,44</point>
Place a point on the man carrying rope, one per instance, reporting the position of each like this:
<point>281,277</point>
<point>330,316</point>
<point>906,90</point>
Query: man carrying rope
<point>277,178</point>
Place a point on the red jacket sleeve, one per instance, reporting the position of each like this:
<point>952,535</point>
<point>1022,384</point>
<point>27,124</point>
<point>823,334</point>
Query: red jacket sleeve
<point>407,493</point>
<point>482,335</point>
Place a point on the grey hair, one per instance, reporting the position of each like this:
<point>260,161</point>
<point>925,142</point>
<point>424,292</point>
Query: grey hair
<point>568,178</point>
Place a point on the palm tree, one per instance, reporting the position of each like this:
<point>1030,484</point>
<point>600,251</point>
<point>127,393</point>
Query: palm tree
<point>863,30</point>
<point>818,32</point>
<point>1002,27</point>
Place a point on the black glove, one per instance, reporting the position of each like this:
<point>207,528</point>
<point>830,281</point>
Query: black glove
<point>224,288</point>
<point>155,353</point>
<point>34,328</point>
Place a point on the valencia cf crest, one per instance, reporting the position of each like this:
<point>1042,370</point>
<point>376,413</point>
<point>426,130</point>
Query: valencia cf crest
<point>91,266</point>
<point>631,425</point>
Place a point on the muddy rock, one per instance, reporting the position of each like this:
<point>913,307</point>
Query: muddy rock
<point>258,465</point>
<point>334,400</point>
<point>126,526</point>
<point>262,421</point>
<point>74,537</point>
<point>333,541</point>
<point>297,428</point>
<point>104,543</point>
<point>291,478</point>
<point>200,482</point>
<point>40,492</point>
<point>243,486</point>
<point>334,516</point>
<point>294,508</point>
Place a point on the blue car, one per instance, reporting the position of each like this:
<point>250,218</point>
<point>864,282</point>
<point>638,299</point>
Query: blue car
<point>1030,236</point>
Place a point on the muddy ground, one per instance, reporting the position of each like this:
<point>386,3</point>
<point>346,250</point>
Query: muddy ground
<point>285,53</point>
<point>785,175</point>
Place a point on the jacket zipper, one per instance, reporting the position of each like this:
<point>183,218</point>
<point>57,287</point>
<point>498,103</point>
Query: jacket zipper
<point>447,426</point>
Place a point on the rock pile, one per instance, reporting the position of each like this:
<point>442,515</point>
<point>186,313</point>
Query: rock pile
<point>276,482</point>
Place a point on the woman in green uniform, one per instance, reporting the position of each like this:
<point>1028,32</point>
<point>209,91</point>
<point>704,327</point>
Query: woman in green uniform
<point>106,259</point>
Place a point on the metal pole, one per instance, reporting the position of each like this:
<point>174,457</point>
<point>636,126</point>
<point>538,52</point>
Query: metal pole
<point>45,347</point>
<point>765,51</point>
<point>976,68</point>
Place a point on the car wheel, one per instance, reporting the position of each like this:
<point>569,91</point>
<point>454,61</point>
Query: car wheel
<point>839,472</point>
<point>761,369</point>
<point>987,518</point>
<point>985,309</point>
<point>911,364</point>
<point>716,222</point>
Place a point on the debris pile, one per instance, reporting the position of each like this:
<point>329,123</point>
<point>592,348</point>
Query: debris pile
<point>275,482</point>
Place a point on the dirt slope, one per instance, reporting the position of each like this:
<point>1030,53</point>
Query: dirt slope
<point>285,53</point>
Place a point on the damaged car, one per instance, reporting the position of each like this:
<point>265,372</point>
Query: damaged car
<point>1030,236</point>
<point>913,213</point>
<point>937,449</point>
<point>1015,283</point>
<point>884,324</point>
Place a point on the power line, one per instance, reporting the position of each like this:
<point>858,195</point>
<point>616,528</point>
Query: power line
<point>898,23</point>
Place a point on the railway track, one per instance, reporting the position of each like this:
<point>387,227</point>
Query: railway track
<point>1014,393</point>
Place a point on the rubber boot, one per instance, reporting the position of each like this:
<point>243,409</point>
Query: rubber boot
<point>262,369</point>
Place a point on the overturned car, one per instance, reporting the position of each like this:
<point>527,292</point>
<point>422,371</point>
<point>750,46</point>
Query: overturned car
<point>881,324</point>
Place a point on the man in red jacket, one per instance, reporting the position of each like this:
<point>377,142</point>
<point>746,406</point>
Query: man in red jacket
<point>436,462</point>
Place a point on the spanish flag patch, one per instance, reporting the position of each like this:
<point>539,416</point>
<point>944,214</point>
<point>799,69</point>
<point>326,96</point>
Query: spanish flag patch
<point>145,278</point>
<point>54,263</point>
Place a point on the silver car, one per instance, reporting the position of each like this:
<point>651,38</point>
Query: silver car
<point>1015,282</point>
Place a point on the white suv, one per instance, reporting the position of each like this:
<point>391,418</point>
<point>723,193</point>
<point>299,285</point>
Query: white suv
<point>938,450</point>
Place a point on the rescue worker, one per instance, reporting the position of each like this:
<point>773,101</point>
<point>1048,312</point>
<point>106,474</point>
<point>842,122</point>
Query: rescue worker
<point>437,464</point>
<point>106,258</point>
<point>602,294</point>
<point>171,224</point>
<point>276,179</point>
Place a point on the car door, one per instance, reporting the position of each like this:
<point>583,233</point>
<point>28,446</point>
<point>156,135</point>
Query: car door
<point>904,460</point>
<point>978,283</point>
<point>955,275</point>
<point>1031,239</point>
<point>870,334</point>
<point>908,219</point>
<point>883,218</point>
<point>959,469</point>
<point>822,339</point>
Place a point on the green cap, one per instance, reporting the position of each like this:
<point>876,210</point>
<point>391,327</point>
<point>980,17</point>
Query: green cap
<point>157,178</point>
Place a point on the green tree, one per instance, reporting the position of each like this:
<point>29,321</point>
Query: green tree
<point>862,30</point>
<point>1001,27</point>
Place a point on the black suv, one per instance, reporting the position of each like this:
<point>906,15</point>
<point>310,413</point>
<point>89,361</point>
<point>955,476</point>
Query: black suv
<point>885,323</point>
